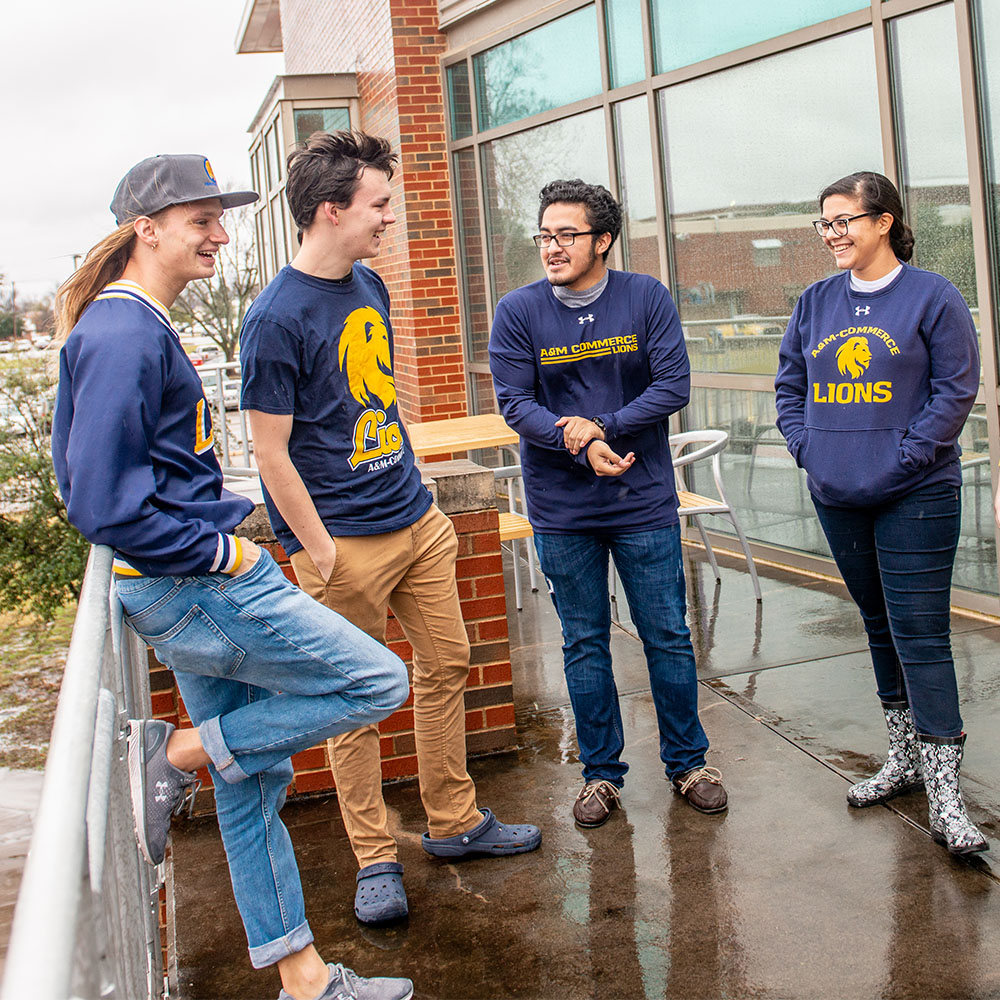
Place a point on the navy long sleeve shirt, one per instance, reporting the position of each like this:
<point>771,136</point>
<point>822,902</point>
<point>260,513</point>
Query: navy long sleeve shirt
<point>621,358</point>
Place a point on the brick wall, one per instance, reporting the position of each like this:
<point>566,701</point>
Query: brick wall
<point>394,49</point>
<point>489,697</point>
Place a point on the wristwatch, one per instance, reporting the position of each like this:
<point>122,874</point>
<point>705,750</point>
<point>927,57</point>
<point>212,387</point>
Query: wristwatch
<point>602,427</point>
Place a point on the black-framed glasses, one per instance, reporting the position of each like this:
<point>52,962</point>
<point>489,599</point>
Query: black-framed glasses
<point>561,239</point>
<point>839,226</point>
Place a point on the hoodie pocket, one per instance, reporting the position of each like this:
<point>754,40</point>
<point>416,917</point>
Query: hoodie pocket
<point>854,468</point>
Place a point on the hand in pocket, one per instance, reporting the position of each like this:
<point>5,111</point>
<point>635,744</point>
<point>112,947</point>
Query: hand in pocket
<point>325,561</point>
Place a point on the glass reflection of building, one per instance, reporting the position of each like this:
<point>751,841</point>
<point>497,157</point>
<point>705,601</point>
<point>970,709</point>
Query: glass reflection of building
<point>717,125</point>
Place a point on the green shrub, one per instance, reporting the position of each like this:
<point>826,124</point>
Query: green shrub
<point>42,556</point>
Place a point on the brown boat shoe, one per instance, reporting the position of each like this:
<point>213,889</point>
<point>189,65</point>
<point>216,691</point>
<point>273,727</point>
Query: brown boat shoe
<point>702,787</point>
<point>594,803</point>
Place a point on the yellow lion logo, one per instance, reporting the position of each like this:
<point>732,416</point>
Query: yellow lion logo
<point>854,356</point>
<point>364,357</point>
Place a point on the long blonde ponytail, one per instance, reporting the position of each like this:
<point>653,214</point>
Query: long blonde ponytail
<point>103,263</point>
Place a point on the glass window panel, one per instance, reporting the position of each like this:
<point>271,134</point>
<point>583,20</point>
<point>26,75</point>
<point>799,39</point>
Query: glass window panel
<point>278,221</point>
<point>265,172</point>
<point>766,488</point>
<point>470,242</point>
<point>459,100</point>
<point>933,161</point>
<point>975,561</point>
<point>770,496</point>
<point>254,168</point>
<point>988,40</point>
<point>484,400</point>
<point>271,153</point>
<point>635,181</point>
<point>275,164</point>
<point>291,230</point>
<point>743,244</point>
<point>515,169</point>
<point>685,32</point>
<point>267,253</point>
<point>553,65</point>
<point>624,30</point>
<point>309,120</point>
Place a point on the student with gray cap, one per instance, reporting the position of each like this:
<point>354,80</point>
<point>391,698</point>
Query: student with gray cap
<point>264,670</point>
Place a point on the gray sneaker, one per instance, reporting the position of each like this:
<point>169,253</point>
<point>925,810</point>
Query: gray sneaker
<point>159,789</point>
<point>345,984</point>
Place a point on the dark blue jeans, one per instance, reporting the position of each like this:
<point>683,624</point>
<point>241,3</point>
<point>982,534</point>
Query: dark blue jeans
<point>897,561</point>
<point>651,571</point>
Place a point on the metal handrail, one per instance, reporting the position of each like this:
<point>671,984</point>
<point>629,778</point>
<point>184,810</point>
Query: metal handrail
<point>233,435</point>
<point>86,921</point>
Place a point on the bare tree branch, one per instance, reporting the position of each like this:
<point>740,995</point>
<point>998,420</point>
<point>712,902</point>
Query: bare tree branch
<point>216,306</point>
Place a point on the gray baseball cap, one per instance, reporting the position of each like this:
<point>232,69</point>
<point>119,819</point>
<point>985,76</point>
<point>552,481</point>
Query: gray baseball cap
<point>169,179</point>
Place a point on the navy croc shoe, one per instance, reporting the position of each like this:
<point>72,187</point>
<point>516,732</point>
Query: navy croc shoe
<point>380,898</point>
<point>489,837</point>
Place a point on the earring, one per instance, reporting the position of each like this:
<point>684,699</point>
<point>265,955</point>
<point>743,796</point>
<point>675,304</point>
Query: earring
<point>154,245</point>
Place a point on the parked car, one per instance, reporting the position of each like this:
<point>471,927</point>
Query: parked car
<point>231,390</point>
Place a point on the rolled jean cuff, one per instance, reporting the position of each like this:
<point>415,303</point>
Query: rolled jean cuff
<point>214,743</point>
<point>294,941</point>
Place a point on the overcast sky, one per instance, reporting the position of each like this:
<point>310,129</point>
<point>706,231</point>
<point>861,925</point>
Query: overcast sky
<point>89,89</point>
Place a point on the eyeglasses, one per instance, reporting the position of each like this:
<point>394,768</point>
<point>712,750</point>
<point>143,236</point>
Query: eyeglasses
<point>839,226</point>
<point>561,239</point>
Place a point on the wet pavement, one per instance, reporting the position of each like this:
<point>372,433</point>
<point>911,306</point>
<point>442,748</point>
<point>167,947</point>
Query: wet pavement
<point>791,894</point>
<point>19,795</point>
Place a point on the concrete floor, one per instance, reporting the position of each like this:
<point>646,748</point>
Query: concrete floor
<point>790,894</point>
<point>19,795</point>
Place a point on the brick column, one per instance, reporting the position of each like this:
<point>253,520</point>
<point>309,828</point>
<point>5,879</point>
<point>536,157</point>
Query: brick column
<point>465,492</point>
<point>394,49</point>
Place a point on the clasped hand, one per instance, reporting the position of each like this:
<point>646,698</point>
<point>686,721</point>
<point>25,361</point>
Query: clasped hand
<point>577,431</point>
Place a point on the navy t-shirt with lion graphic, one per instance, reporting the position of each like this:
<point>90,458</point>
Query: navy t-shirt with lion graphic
<point>322,351</point>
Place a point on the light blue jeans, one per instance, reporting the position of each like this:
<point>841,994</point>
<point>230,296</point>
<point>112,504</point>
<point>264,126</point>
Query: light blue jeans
<point>265,671</point>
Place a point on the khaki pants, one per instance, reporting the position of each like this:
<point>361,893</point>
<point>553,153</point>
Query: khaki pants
<point>411,571</point>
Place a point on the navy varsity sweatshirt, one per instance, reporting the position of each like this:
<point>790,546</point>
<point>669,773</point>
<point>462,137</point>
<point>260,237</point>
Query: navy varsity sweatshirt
<point>621,358</point>
<point>873,388</point>
<point>132,442</point>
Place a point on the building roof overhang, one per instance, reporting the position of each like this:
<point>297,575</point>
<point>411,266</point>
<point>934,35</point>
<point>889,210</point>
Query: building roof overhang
<point>260,27</point>
<point>305,87</point>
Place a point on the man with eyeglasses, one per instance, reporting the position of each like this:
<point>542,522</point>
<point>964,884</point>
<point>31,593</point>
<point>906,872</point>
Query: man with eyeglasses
<point>588,365</point>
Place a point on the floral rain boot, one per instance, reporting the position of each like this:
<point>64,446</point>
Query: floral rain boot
<point>902,770</point>
<point>950,824</point>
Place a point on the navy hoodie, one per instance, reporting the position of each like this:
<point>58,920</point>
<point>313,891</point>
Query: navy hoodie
<point>873,388</point>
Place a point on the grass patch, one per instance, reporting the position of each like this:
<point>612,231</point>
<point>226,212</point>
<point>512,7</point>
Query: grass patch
<point>32,659</point>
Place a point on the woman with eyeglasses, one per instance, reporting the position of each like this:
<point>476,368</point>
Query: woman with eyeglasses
<point>877,373</point>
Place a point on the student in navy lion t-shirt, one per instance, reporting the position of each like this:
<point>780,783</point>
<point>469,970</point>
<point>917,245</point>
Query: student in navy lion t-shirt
<point>878,371</point>
<point>346,501</point>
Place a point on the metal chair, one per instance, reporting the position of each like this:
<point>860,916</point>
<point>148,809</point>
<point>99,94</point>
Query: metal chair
<point>693,505</point>
<point>514,525</point>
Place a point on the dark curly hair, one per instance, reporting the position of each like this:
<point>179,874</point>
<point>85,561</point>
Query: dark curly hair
<point>878,195</point>
<point>604,214</point>
<point>328,167</point>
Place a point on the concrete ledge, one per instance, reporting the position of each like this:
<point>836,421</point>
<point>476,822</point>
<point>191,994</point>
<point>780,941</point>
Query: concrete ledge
<point>460,485</point>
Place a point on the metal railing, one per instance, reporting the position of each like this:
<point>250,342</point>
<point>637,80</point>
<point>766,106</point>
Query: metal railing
<point>221,380</point>
<point>86,922</point>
